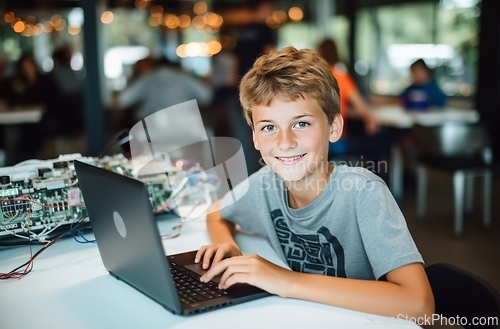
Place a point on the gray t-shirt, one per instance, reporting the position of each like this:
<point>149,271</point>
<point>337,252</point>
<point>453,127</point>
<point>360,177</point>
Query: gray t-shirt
<point>353,229</point>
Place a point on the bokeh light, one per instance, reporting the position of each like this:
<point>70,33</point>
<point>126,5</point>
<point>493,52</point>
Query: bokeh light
<point>140,4</point>
<point>200,8</point>
<point>107,17</point>
<point>8,17</point>
<point>280,16</point>
<point>19,26</point>
<point>198,22</point>
<point>172,21</point>
<point>181,51</point>
<point>214,47</point>
<point>295,14</point>
<point>156,11</point>
<point>74,30</point>
<point>48,27</point>
<point>184,20</point>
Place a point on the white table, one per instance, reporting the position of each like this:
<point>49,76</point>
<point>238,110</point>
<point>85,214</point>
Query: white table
<point>13,117</point>
<point>397,117</point>
<point>20,115</point>
<point>69,288</point>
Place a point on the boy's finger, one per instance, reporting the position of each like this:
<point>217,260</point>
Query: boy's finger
<point>200,253</point>
<point>209,253</point>
<point>213,271</point>
<point>231,271</point>
<point>219,255</point>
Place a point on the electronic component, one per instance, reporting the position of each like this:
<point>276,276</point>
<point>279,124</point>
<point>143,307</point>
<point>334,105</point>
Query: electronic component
<point>38,197</point>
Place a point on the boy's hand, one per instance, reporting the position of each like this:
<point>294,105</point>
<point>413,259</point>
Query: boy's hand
<point>253,270</point>
<point>217,251</point>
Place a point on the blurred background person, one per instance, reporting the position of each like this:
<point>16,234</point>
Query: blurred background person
<point>126,118</point>
<point>255,38</point>
<point>349,93</point>
<point>29,87</point>
<point>424,91</point>
<point>354,147</point>
<point>3,105</point>
<point>165,85</point>
<point>224,80</point>
<point>70,89</point>
<point>141,68</point>
<point>3,80</point>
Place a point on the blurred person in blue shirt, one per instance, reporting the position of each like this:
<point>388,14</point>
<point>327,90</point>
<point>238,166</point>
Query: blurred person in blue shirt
<point>424,92</point>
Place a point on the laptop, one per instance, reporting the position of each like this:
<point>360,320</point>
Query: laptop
<point>130,245</point>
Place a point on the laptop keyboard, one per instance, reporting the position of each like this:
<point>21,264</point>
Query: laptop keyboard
<point>189,287</point>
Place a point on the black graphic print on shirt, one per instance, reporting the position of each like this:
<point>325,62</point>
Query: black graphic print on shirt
<point>310,253</point>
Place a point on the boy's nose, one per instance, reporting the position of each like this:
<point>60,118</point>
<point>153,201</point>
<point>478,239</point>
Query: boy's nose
<point>286,140</point>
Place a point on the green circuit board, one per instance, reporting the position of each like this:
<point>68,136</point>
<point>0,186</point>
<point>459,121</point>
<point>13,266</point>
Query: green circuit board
<point>37,202</point>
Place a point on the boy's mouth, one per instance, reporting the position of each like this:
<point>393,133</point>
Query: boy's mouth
<point>290,159</point>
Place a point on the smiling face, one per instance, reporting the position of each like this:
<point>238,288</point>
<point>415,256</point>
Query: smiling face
<point>293,138</point>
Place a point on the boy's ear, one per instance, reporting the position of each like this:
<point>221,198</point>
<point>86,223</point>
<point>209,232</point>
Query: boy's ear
<point>336,128</point>
<point>255,144</point>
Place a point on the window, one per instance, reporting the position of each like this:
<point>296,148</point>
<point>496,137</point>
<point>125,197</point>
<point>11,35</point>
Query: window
<point>444,34</point>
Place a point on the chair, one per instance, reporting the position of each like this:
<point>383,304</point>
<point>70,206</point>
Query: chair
<point>458,293</point>
<point>463,150</point>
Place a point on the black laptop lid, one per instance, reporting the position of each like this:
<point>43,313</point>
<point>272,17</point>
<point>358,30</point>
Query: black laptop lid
<point>126,233</point>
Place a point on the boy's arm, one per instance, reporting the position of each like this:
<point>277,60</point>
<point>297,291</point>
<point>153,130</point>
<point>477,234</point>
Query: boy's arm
<point>220,232</point>
<point>219,229</point>
<point>406,293</point>
<point>407,290</point>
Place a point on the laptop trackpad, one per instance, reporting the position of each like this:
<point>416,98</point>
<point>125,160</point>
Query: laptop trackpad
<point>200,271</point>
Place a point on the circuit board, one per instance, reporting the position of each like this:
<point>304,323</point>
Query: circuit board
<point>40,197</point>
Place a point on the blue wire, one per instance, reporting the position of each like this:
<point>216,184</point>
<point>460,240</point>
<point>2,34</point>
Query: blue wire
<point>80,233</point>
<point>74,238</point>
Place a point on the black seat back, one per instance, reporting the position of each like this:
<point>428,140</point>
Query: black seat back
<point>463,294</point>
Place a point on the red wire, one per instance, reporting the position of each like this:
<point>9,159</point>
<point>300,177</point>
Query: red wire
<point>29,264</point>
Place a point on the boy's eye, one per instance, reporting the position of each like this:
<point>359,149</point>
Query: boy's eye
<point>301,124</point>
<point>268,128</point>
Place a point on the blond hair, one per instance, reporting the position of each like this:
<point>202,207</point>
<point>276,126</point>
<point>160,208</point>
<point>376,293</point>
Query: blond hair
<point>287,75</point>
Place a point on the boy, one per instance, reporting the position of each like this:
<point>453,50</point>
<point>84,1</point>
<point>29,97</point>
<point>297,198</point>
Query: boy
<point>338,228</point>
<point>424,91</point>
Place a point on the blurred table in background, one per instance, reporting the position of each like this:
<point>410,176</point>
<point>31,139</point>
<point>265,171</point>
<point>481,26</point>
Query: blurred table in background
<point>10,119</point>
<point>396,117</point>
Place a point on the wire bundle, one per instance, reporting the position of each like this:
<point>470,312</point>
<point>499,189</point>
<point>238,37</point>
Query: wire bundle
<point>75,230</point>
